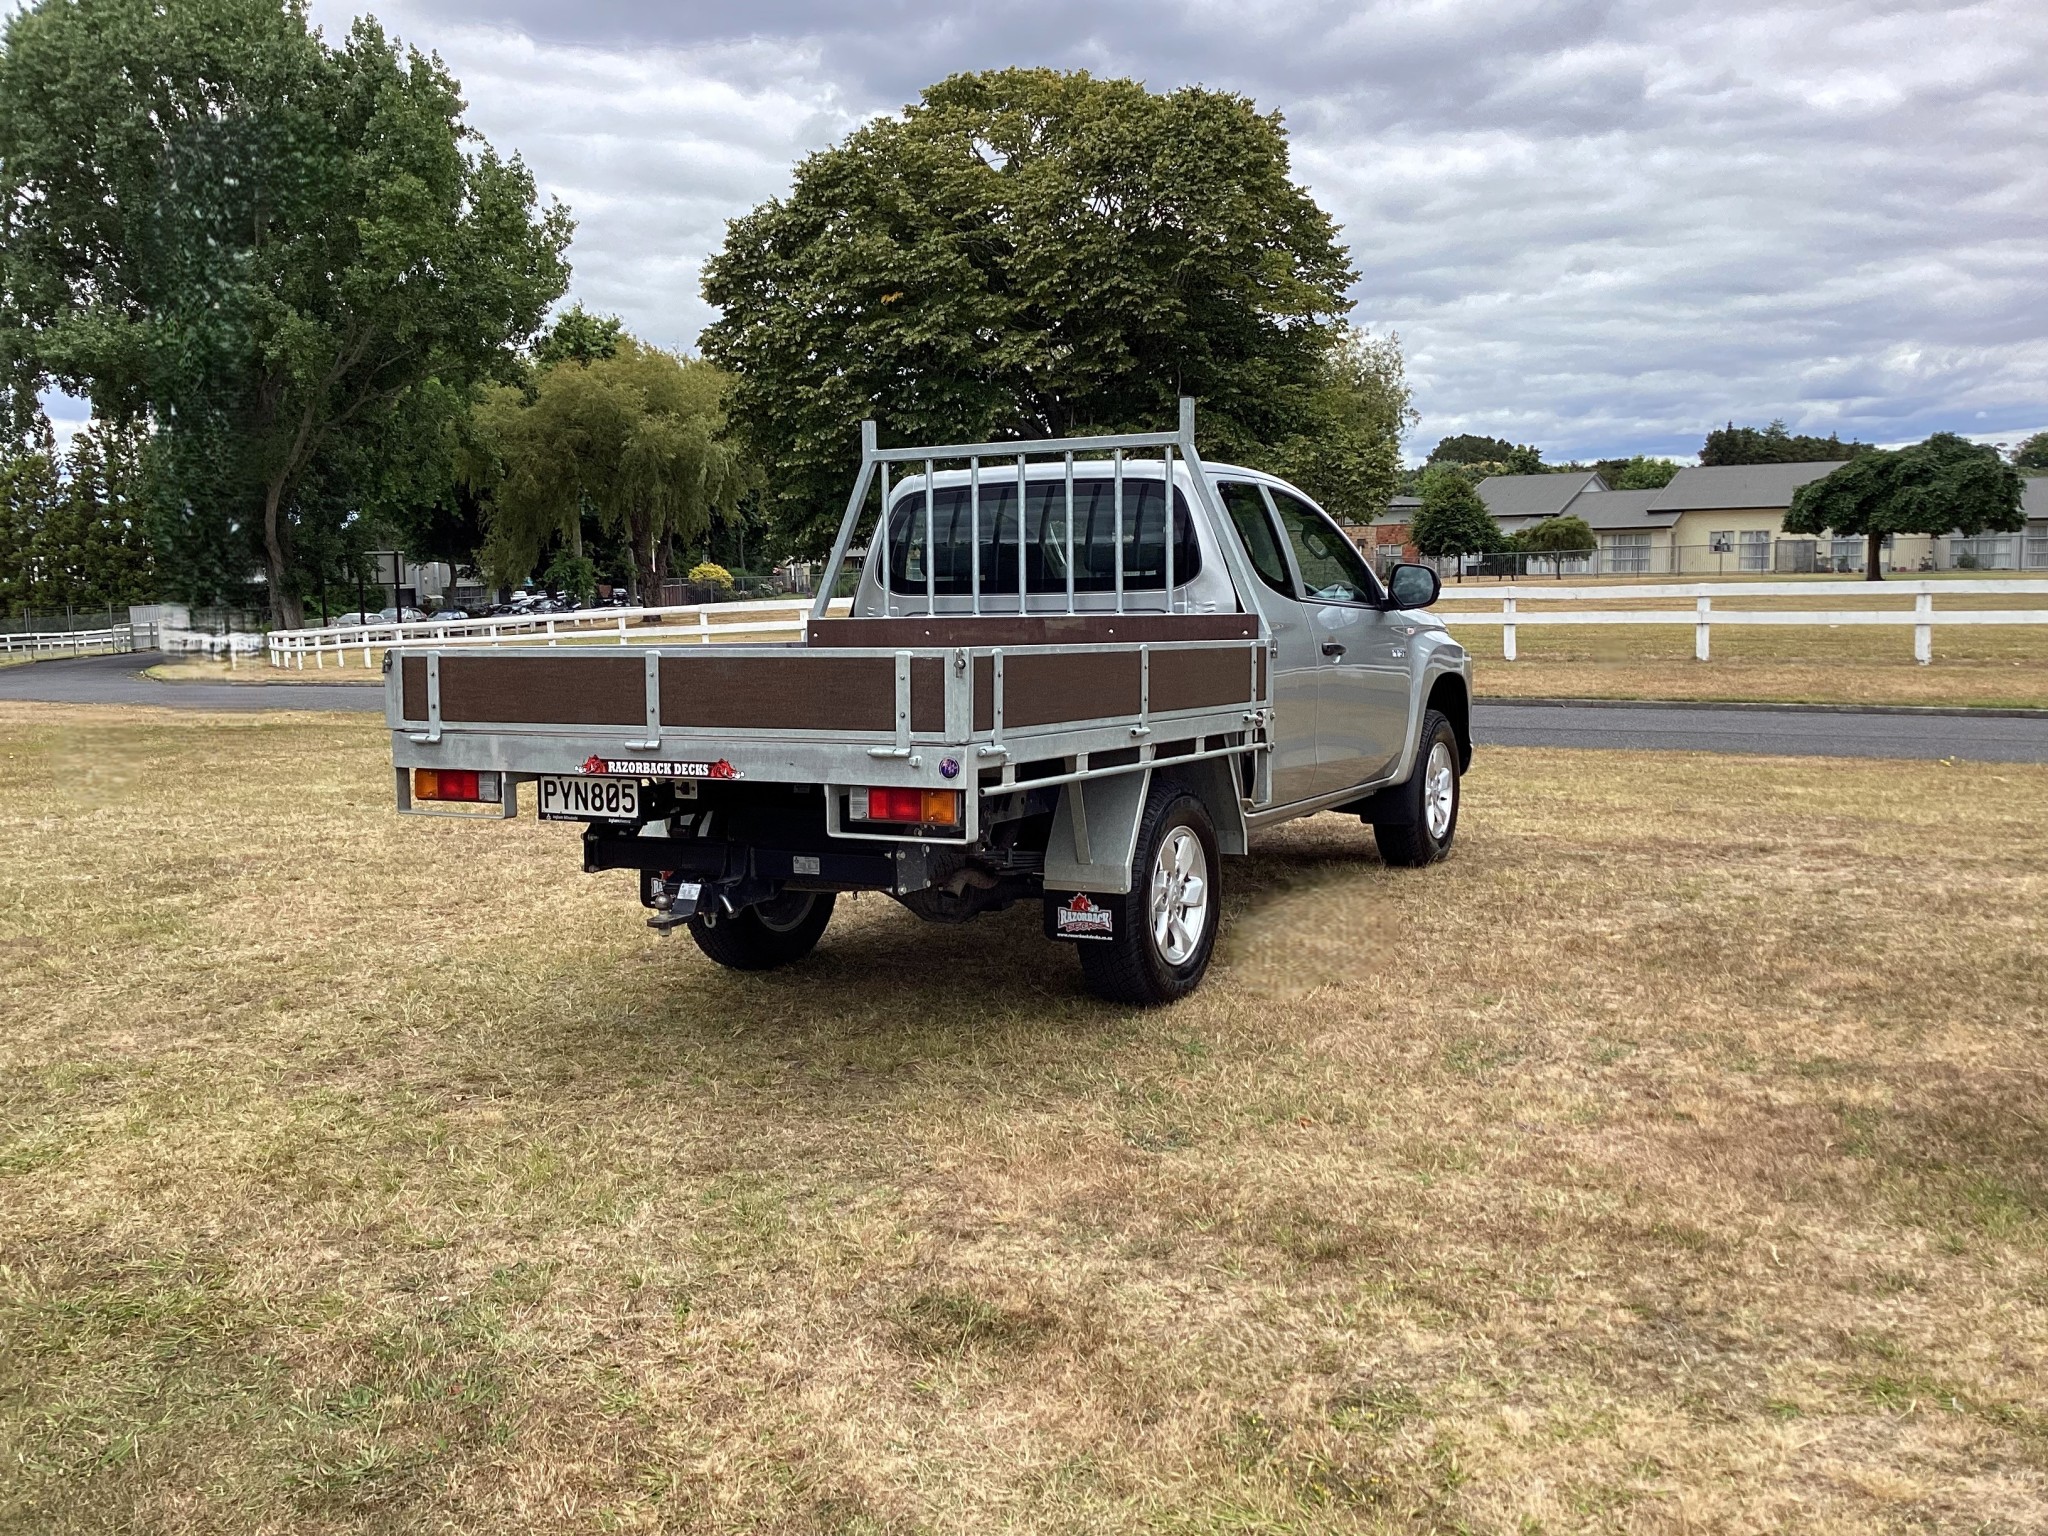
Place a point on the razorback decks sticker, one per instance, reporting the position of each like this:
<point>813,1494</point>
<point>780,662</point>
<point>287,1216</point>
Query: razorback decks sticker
<point>659,768</point>
<point>1081,918</point>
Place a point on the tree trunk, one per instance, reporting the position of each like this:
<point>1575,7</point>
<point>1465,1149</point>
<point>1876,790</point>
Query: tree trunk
<point>1873,564</point>
<point>286,611</point>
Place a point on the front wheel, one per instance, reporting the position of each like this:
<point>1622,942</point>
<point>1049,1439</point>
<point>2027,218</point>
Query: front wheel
<point>1424,810</point>
<point>767,935</point>
<point>1163,931</point>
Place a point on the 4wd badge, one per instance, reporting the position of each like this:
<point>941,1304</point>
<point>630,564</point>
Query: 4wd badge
<point>1081,918</point>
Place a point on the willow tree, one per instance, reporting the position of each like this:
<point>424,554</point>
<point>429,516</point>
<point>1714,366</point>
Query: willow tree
<point>636,438</point>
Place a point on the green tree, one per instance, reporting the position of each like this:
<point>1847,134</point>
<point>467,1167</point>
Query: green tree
<point>1774,445</point>
<point>2033,453</point>
<point>1349,456</point>
<point>1638,473</point>
<point>1944,483</point>
<point>1556,535</point>
<point>1495,455</point>
<point>71,526</point>
<point>579,337</point>
<point>293,260</point>
<point>637,439</point>
<point>1452,520</point>
<point>1026,252</point>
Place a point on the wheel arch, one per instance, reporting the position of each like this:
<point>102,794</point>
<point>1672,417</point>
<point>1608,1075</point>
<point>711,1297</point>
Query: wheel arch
<point>1449,696</point>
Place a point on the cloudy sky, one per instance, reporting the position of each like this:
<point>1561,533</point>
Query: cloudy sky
<point>1600,227</point>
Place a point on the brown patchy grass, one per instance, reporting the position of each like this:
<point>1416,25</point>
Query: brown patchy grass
<point>257,671</point>
<point>1672,1158</point>
<point>1994,666</point>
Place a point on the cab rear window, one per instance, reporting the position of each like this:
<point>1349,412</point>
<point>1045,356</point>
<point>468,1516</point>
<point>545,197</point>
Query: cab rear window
<point>951,563</point>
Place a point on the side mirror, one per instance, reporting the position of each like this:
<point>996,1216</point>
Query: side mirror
<point>1412,586</point>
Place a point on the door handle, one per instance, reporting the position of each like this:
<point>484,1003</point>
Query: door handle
<point>1333,648</point>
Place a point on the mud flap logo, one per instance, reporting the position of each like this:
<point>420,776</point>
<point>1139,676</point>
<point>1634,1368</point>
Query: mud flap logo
<point>1081,918</point>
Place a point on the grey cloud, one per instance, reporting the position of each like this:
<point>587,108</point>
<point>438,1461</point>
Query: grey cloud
<point>1601,226</point>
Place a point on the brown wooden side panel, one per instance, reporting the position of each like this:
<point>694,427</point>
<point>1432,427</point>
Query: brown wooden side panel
<point>984,693</point>
<point>788,692</point>
<point>1046,689</point>
<point>412,687</point>
<point>1008,630</point>
<point>927,693</point>
<point>541,690</point>
<point>1199,679</point>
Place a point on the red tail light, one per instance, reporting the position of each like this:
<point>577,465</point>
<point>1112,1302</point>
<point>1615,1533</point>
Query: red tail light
<point>464,784</point>
<point>911,807</point>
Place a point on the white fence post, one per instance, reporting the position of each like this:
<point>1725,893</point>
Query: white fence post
<point>1507,630</point>
<point>1702,645</point>
<point>1923,634</point>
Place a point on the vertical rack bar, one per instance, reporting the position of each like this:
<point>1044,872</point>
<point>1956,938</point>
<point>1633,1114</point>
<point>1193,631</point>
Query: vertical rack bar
<point>1022,605</point>
<point>882,534</point>
<point>974,531</point>
<point>1118,458</point>
<point>1166,464</point>
<point>1070,533</point>
<point>931,554</point>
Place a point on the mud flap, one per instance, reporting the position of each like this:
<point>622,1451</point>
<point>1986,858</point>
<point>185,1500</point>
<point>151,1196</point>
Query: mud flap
<point>1094,833</point>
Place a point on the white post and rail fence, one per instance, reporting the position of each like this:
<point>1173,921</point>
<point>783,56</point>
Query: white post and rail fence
<point>1932,607</point>
<point>1579,605</point>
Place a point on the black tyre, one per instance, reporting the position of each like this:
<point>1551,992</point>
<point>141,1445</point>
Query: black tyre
<point>770,934</point>
<point>1164,931</point>
<point>1422,814</point>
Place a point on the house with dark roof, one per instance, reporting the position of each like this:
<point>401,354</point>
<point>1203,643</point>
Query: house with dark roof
<point>1519,502</point>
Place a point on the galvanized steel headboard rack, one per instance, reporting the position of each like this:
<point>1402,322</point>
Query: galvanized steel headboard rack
<point>875,462</point>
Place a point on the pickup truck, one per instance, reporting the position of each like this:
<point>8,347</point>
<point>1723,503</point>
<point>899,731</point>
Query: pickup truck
<point>1079,671</point>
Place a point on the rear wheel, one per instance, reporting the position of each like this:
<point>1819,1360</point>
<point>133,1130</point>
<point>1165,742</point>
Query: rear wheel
<point>1163,931</point>
<point>767,935</point>
<point>1426,807</point>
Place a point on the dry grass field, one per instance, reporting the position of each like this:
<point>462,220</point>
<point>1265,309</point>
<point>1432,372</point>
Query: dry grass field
<point>1675,1158</point>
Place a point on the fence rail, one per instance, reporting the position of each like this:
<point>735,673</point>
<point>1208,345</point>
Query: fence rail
<point>628,626</point>
<point>69,642</point>
<point>1922,618</point>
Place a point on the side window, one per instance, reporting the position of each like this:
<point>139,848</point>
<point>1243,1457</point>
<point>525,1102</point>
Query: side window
<point>1332,569</point>
<point>1247,510</point>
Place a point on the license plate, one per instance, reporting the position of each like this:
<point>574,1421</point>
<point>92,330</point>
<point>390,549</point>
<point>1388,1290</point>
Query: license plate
<point>567,798</point>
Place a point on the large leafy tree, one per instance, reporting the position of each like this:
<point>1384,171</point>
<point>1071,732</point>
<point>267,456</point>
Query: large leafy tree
<point>2032,454</point>
<point>1946,483</point>
<point>636,438</point>
<point>293,260</point>
<point>1027,252</point>
<point>1775,445</point>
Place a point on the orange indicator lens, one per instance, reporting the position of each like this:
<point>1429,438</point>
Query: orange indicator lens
<point>464,784</point>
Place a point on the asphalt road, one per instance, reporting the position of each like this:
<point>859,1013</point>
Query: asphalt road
<point>1658,728</point>
<point>119,680</point>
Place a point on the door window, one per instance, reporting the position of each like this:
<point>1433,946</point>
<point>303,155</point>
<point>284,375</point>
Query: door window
<point>1332,569</point>
<point>1247,510</point>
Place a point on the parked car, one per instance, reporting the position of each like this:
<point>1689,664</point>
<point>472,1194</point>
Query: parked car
<point>447,615</point>
<point>350,621</point>
<point>398,616</point>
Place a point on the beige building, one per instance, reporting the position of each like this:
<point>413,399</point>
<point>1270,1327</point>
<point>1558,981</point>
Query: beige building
<point>1729,520</point>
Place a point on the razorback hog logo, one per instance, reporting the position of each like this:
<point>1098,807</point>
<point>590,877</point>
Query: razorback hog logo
<point>1081,918</point>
